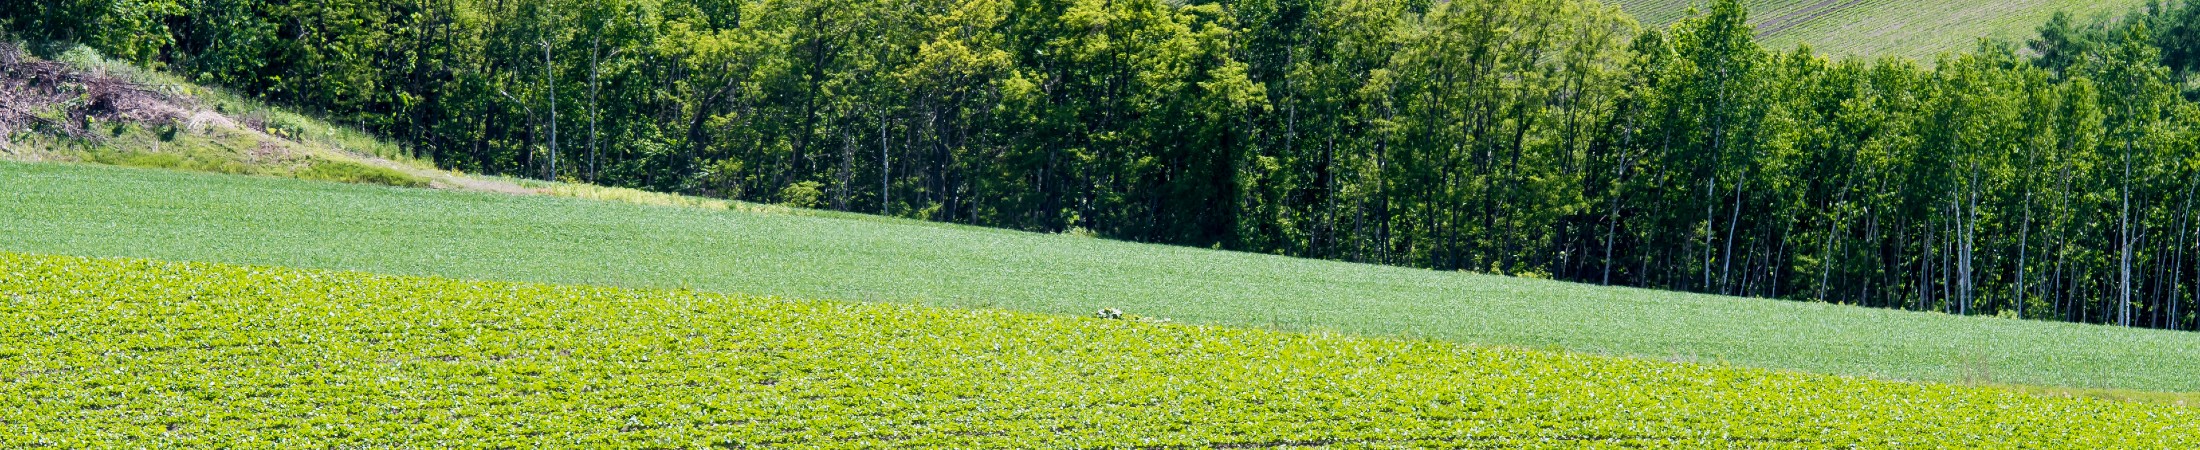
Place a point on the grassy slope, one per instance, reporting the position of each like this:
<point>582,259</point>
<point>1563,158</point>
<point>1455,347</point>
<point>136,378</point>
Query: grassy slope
<point>213,131</point>
<point>100,211</point>
<point>1918,29</point>
<point>103,353</point>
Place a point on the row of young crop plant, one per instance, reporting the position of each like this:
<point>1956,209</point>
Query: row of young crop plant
<point>126,352</point>
<point>1875,28</point>
<point>1659,13</point>
<point>1897,28</point>
<point>1923,30</point>
<point>1853,27</point>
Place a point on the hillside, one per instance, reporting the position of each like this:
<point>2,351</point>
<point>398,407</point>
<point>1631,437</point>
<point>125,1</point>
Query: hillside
<point>183,266</point>
<point>1545,139</point>
<point>1874,28</point>
<point>102,211</point>
<point>84,107</point>
<point>100,353</point>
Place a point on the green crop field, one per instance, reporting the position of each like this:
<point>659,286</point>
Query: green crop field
<point>124,352</point>
<point>1916,29</point>
<point>107,211</point>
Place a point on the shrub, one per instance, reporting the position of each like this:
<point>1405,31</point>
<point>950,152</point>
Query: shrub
<point>805,194</point>
<point>350,172</point>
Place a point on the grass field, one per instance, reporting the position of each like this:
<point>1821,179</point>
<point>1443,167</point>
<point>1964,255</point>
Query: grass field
<point>106,211</point>
<point>1873,28</point>
<point>117,352</point>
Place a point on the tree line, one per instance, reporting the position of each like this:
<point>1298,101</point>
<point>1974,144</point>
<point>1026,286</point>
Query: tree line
<point>2051,179</point>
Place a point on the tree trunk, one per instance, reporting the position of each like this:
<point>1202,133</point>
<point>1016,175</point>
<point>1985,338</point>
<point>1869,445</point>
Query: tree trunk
<point>1733,221</point>
<point>2024,246</point>
<point>1710,215</point>
<point>2123,299</point>
<point>885,167</point>
<point>550,77</point>
<point>1611,219</point>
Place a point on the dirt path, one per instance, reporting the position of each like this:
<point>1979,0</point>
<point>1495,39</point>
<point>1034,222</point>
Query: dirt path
<point>440,179</point>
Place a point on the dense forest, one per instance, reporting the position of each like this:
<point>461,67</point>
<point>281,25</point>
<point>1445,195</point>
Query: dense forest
<point>2049,179</point>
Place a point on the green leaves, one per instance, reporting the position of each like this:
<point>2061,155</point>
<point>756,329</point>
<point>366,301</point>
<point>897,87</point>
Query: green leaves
<point>130,30</point>
<point>97,352</point>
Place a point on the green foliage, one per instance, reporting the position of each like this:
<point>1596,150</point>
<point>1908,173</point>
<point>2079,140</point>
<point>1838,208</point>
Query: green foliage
<point>135,352</point>
<point>801,195</point>
<point>150,160</point>
<point>101,211</point>
<point>1988,183</point>
<point>351,172</point>
<point>132,30</point>
<point>209,160</point>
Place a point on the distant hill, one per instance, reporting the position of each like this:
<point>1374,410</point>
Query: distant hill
<point>1913,28</point>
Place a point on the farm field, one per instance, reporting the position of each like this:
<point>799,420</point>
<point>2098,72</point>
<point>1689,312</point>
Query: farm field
<point>128,352</point>
<point>1875,28</point>
<point>106,211</point>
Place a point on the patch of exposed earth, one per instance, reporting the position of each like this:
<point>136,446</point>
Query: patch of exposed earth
<point>61,101</point>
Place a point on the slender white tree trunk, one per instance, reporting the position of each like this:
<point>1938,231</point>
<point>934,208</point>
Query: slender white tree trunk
<point>2123,302</point>
<point>549,75</point>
